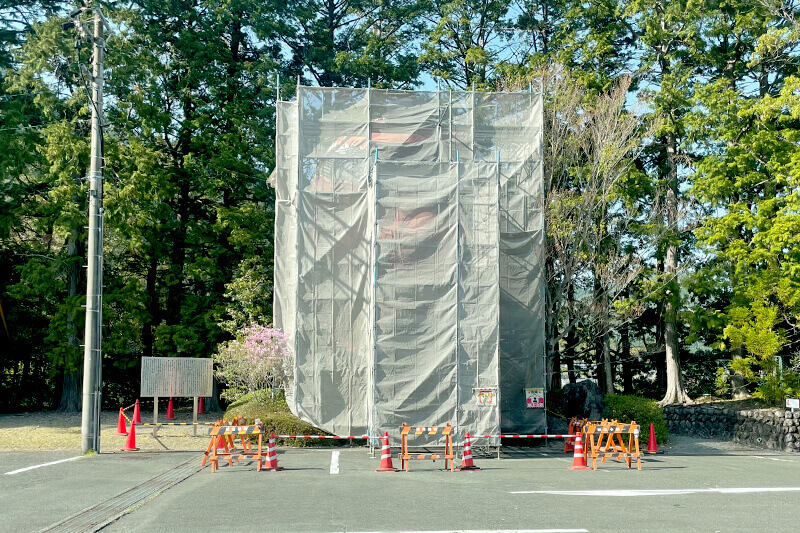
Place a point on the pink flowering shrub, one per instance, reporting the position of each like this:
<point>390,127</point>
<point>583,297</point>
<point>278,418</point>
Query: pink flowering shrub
<point>258,359</point>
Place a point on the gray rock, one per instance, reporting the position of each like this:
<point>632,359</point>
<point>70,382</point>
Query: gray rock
<point>583,400</point>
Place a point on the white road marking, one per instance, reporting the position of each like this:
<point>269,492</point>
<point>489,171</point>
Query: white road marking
<point>41,465</point>
<point>773,459</point>
<point>659,492</point>
<point>334,462</point>
<point>490,531</point>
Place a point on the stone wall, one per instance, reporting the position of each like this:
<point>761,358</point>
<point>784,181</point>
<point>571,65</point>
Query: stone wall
<point>774,429</point>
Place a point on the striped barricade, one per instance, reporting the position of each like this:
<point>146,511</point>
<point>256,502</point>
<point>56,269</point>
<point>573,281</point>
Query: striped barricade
<point>406,456</point>
<point>608,439</point>
<point>223,435</point>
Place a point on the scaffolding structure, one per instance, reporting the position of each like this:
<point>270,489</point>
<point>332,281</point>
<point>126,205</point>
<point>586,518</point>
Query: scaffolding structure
<point>409,258</point>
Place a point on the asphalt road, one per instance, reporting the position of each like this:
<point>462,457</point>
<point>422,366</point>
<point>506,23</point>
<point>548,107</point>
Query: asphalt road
<point>696,486</point>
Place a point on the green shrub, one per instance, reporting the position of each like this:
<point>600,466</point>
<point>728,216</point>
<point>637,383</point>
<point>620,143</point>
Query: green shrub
<point>640,410</point>
<point>270,406</point>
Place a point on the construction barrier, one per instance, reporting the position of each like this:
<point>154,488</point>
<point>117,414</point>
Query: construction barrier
<point>447,432</point>
<point>524,436</point>
<point>222,437</point>
<point>575,427</point>
<point>607,439</point>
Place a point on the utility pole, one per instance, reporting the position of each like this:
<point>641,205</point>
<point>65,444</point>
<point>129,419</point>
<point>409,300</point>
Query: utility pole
<point>92,350</point>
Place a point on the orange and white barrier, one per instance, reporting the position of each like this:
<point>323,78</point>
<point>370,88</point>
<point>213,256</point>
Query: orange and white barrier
<point>607,438</point>
<point>406,456</point>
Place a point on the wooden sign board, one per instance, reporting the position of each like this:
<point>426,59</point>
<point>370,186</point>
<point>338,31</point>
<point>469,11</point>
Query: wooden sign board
<point>176,377</point>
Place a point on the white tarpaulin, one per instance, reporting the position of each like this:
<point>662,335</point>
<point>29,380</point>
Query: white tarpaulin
<point>409,258</point>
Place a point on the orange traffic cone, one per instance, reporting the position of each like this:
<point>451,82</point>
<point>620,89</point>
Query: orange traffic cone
<point>652,445</point>
<point>137,415</point>
<point>271,462</point>
<point>130,444</point>
<point>466,455</point>
<point>170,412</point>
<point>386,455</point>
<point>121,428</point>
<point>579,458</point>
<point>201,406</point>
<point>570,444</point>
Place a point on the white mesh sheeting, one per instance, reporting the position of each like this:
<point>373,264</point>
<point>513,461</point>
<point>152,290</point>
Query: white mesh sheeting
<point>409,257</point>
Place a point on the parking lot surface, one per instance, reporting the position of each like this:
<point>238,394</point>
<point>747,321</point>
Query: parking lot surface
<point>695,486</point>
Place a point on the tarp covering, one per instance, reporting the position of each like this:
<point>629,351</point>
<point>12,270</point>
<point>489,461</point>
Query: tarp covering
<point>409,258</point>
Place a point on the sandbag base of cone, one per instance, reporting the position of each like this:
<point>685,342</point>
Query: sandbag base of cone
<point>130,444</point>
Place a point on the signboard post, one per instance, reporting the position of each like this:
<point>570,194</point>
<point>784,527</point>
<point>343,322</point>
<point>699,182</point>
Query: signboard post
<point>176,377</point>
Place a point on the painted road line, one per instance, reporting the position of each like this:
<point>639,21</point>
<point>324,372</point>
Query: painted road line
<point>773,459</point>
<point>41,465</point>
<point>488,531</point>
<point>658,492</point>
<point>334,462</point>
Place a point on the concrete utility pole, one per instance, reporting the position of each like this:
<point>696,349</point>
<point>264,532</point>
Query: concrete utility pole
<point>92,350</point>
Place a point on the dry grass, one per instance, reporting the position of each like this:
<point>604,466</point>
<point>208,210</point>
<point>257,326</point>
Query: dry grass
<point>62,431</point>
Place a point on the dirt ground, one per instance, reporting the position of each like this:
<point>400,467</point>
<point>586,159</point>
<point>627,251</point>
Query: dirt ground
<point>54,431</point>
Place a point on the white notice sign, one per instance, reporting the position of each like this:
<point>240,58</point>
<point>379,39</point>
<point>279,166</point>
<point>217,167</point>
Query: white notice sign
<point>176,377</point>
<point>793,403</point>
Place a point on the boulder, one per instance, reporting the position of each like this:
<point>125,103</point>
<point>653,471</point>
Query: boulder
<point>582,400</point>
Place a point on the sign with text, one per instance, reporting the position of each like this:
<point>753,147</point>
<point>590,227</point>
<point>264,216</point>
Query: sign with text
<point>793,403</point>
<point>534,398</point>
<point>176,377</point>
<point>486,396</point>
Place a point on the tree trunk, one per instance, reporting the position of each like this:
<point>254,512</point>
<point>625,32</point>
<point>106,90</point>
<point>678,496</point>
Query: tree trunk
<point>676,392</point>
<point>738,389</point>
<point>70,396</point>
<point>151,305</point>
<point>71,373</point>
<point>608,369</point>
<point>627,362</point>
<point>555,376</point>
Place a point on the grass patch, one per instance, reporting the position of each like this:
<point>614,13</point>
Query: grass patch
<point>273,411</point>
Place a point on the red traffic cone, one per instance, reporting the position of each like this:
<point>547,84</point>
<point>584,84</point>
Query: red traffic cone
<point>466,455</point>
<point>271,462</point>
<point>201,406</point>
<point>386,455</point>
<point>121,428</point>
<point>652,445</point>
<point>130,444</point>
<point>170,412</point>
<point>137,415</point>
<point>578,458</point>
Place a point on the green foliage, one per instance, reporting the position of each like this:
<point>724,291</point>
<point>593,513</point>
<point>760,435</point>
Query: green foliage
<point>270,406</point>
<point>644,412</point>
